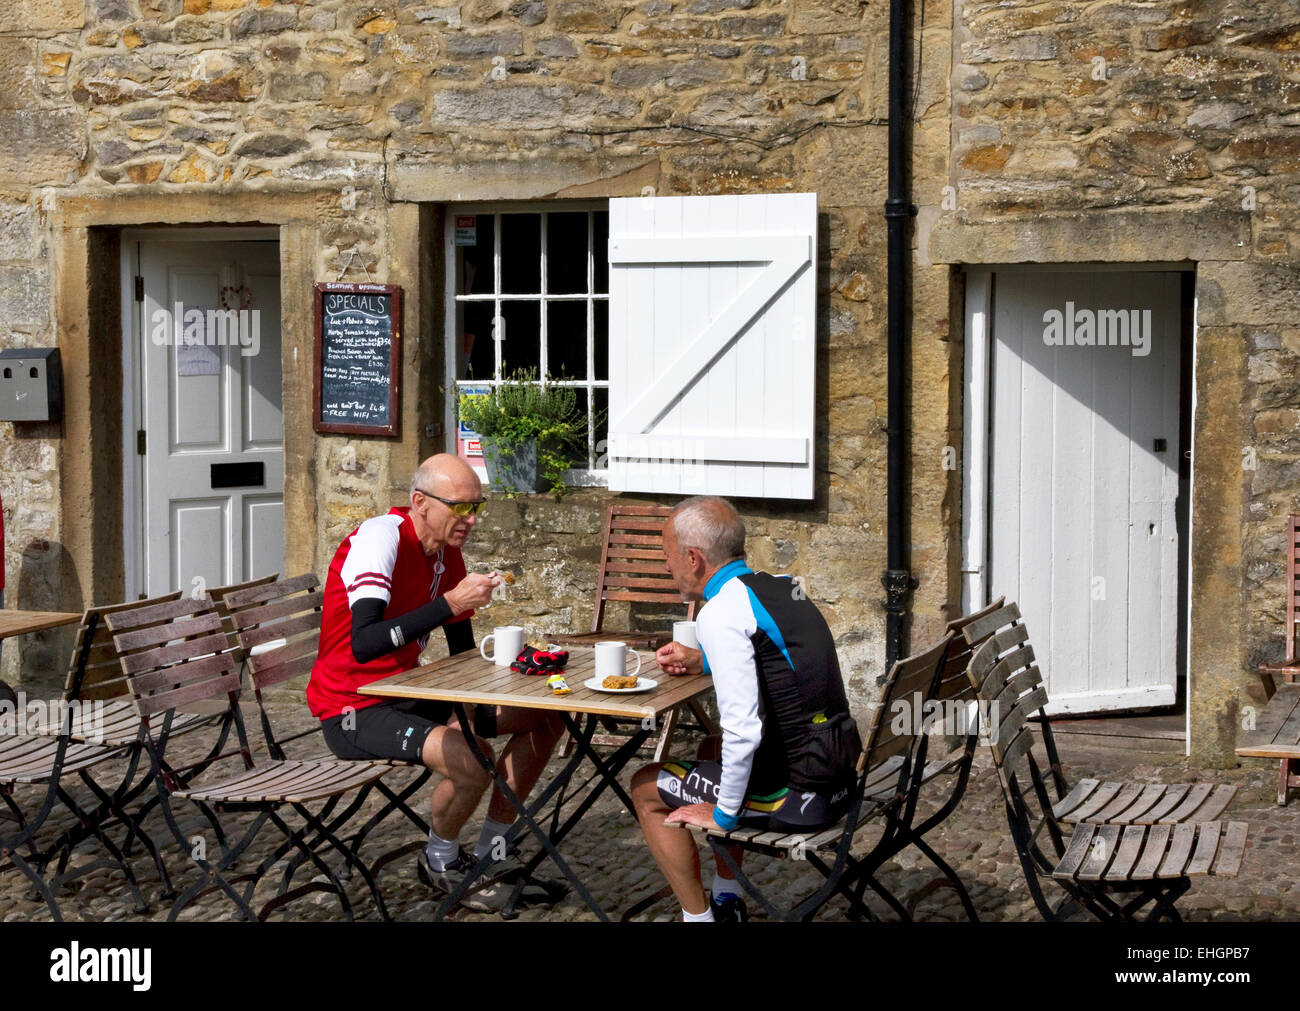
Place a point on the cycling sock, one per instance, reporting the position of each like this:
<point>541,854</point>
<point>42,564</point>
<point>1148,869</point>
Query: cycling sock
<point>492,831</point>
<point>704,917</point>
<point>441,852</point>
<point>723,887</point>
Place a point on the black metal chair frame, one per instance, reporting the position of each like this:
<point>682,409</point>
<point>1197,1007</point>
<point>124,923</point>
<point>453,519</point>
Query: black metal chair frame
<point>222,680</point>
<point>250,635</point>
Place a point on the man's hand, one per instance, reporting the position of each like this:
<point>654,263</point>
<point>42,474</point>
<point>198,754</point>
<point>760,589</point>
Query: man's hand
<point>675,658</point>
<point>692,814</point>
<point>474,591</point>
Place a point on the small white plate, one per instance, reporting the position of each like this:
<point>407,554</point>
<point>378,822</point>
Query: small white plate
<point>643,685</point>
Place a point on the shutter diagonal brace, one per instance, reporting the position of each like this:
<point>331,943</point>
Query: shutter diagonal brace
<point>785,255</point>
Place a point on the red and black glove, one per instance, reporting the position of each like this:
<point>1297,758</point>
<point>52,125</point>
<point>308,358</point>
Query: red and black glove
<point>540,661</point>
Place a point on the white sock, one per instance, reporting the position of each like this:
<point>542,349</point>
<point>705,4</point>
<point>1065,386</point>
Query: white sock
<point>492,831</point>
<point>723,887</point>
<point>704,917</point>
<point>441,852</point>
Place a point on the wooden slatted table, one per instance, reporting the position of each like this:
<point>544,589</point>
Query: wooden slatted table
<point>468,679</point>
<point>1277,735</point>
<point>14,622</point>
<point>21,622</point>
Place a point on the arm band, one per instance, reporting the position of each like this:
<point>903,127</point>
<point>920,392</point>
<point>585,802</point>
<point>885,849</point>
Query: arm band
<point>460,637</point>
<point>372,637</point>
<point>724,820</point>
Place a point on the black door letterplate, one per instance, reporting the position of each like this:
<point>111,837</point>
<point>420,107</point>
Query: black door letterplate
<point>238,475</point>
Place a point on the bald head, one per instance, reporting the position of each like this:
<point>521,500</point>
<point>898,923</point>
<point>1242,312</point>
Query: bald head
<point>711,525</point>
<point>448,477</point>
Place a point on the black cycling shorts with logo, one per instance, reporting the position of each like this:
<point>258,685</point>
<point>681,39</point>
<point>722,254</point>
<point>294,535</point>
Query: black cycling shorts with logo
<point>395,730</point>
<point>683,783</point>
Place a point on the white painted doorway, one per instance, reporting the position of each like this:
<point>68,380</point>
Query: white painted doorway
<point>1072,474</point>
<point>204,431</point>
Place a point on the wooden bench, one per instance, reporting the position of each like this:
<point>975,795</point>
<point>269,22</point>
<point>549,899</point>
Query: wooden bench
<point>1277,726</point>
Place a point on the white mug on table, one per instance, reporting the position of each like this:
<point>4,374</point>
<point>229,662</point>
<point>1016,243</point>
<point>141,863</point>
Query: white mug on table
<point>611,659</point>
<point>684,632</point>
<point>509,640</point>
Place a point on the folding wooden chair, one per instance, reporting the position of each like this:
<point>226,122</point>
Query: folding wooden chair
<point>1141,844</point>
<point>632,571</point>
<point>892,770</point>
<point>174,654</point>
<point>87,737</point>
<point>278,629</point>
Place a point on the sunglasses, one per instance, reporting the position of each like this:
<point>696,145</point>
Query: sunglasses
<point>461,509</point>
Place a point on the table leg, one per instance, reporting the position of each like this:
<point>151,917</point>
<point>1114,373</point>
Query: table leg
<point>525,815</point>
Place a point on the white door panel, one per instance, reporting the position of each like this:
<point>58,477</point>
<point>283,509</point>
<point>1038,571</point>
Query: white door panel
<point>210,401</point>
<point>1080,503</point>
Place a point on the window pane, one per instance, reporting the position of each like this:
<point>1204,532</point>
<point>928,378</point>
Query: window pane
<point>600,250</point>
<point>600,397</point>
<point>566,253</point>
<point>521,253</point>
<point>566,340</point>
<point>476,261</point>
<point>578,454</point>
<point>601,317</point>
<point>478,321</point>
<point>522,347</point>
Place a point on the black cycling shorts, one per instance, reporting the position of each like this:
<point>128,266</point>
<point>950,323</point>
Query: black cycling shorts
<point>684,783</point>
<point>395,730</point>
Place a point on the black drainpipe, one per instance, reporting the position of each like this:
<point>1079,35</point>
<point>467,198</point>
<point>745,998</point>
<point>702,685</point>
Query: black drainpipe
<point>897,579</point>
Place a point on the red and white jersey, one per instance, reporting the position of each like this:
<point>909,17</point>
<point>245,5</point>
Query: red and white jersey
<point>382,559</point>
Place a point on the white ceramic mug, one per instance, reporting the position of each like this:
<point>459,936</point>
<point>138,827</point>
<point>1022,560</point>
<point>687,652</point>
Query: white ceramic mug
<point>611,659</point>
<point>684,632</point>
<point>509,641</point>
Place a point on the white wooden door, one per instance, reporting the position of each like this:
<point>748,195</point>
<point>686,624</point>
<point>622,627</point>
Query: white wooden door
<point>213,440</point>
<point>1083,478</point>
<point>712,344</point>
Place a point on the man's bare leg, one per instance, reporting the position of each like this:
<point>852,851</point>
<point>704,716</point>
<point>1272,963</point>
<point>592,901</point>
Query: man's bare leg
<point>457,795</point>
<point>672,846</point>
<point>533,736</point>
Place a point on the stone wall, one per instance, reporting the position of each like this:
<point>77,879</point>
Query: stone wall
<point>366,110</point>
<point>1129,131</point>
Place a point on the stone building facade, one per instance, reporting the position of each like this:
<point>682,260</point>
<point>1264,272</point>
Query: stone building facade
<point>1042,132</point>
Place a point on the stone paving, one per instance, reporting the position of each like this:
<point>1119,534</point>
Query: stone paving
<point>609,855</point>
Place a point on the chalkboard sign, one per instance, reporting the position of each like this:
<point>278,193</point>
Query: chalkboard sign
<point>356,363</point>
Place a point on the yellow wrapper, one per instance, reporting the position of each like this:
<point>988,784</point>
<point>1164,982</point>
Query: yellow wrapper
<point>557,685</point>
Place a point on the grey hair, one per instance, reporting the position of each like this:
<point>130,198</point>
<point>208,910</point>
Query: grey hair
<point>418,479</point>
<point>712,525</point>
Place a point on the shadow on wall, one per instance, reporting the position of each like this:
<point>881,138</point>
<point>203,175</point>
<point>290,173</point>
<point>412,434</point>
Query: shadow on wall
<point>47,577</point>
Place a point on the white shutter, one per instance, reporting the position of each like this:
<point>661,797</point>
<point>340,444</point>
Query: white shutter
<point>712,345</point>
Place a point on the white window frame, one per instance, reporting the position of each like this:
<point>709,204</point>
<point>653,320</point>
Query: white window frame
<point>590,476</point>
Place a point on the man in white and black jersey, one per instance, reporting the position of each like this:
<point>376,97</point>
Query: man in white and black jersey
<point>789,743</point>
<point>392,581</point>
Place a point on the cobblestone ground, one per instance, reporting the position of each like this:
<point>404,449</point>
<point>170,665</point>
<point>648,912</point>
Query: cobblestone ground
<point>610,857</point>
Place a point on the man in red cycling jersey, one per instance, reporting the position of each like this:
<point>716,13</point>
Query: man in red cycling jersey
<point>392,581</point>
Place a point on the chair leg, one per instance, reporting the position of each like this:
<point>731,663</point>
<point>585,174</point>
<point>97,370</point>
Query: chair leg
<point>666,738</point>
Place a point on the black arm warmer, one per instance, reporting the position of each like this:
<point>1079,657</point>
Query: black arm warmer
<point>372,637</point>
<point>460,637</point>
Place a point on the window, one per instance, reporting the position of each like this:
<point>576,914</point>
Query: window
<point>531,291</point>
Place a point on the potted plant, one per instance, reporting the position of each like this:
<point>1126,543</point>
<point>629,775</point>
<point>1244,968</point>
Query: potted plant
<point>527,430</point>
